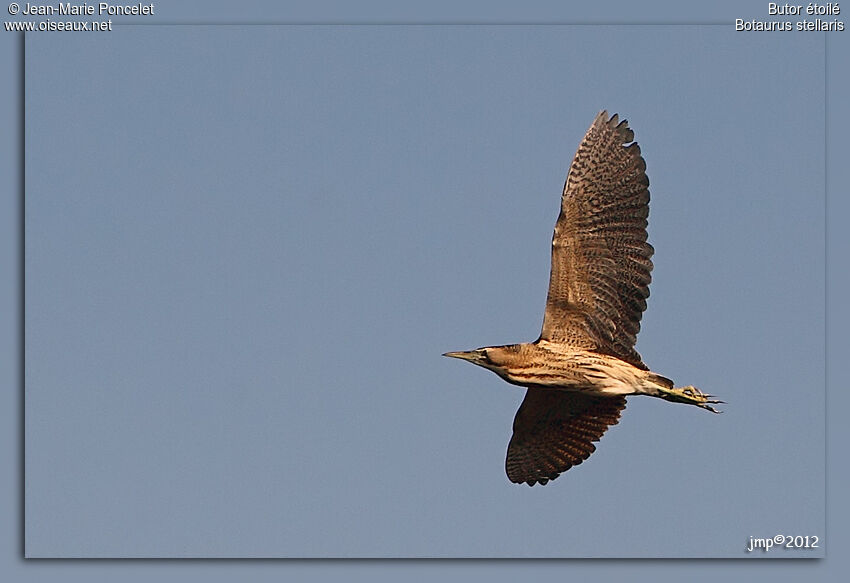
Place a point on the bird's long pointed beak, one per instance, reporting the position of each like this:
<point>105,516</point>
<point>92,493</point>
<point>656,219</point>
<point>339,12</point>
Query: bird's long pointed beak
<point>473,356</point>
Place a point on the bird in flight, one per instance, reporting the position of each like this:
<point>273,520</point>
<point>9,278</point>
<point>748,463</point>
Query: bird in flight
<point>580,370</point>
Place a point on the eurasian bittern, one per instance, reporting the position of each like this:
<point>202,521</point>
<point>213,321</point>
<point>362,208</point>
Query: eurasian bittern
<point>580,370</point>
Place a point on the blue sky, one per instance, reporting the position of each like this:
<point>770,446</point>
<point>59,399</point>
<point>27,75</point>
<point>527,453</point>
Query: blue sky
<point>248,247</point>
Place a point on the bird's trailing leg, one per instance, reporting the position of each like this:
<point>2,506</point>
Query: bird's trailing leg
<point>689,395</point>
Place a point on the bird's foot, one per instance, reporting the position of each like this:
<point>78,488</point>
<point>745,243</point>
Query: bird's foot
<point>691,396</point>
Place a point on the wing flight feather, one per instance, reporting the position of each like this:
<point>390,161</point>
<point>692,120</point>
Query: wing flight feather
<point>555,430</point>
<point>601,261</point>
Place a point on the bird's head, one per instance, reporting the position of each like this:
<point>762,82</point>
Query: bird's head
<point>496,358</point>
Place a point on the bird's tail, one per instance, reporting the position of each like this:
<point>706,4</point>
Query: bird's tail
<point>660,380</point>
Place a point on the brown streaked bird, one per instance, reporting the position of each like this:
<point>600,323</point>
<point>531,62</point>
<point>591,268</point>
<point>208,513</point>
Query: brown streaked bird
<point>580,370</point>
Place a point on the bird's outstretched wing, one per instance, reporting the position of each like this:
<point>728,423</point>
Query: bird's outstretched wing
<point>600,258</point>
<point>554,431</point>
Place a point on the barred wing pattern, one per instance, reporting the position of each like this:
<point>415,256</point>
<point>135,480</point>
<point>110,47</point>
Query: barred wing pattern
<point>600,258</point>
<point>555,430</point>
